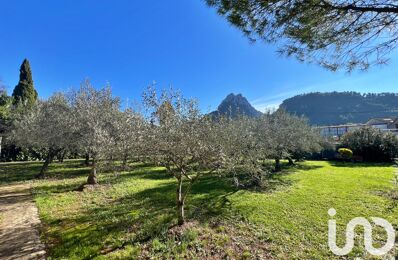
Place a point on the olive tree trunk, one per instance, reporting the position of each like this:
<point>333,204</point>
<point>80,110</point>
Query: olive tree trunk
<point>258,179</point>
<point>49,159</point>
<point>278,167</point>
<point>92,177</point>
<point>87,159</point>
<point>291,162</point>
<point>61,156</point>
<point>125,159</point>
<point>180,202</point>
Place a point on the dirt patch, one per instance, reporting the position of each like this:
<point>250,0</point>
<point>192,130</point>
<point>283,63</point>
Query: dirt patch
<point>217,240</point>
<point>19,223</point>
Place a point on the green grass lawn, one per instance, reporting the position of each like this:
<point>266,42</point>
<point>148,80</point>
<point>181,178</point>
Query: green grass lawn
<point>130,215</point>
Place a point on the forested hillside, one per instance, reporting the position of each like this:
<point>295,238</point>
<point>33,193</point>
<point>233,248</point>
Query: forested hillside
<point>342,107</point>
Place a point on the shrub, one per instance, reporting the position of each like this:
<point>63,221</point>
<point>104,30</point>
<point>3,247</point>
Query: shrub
<point>345,153</point>
<point>372,144</point>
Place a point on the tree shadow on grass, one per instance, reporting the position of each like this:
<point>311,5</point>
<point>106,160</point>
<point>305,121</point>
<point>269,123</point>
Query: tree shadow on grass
<point>135,218</point>
<point>68,173</point>
<point>72,163</point>
<point>359,164</point>
<point>138,172</point>
<point>287,169</point>
<point>27,171</point>
<point>58,188</point>
<point>108,223</point>
<point>277,181</point>
<point>17,172</point>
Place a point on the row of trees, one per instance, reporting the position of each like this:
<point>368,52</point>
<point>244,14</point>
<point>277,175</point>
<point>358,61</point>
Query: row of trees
<point>168,130</point>
<point>23,98</point>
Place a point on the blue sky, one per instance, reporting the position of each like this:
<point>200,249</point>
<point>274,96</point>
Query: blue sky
<point>182,43</point>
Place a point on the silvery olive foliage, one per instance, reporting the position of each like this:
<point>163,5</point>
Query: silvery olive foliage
<point>170,131</point>
<point>93,113</point>
<point>128,129</point>
<point>285,136</point>
<point>46,127</point>
<point>181,139</point>
<point>251,143</point>
<point>244,156</point>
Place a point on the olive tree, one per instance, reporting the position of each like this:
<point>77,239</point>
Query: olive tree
<point>249,143</point>
<point>93,115</point>
<point>182,140</point>
<point>244,155</point>
<point>128,131</point>
<point>307,140</point>
<point>46,127</point>
<point>283,136</point>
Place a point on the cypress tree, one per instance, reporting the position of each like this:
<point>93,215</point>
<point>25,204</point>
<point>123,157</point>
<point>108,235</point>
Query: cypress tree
<point>24,93</point>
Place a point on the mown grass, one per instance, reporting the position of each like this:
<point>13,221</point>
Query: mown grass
<point>130,215</point>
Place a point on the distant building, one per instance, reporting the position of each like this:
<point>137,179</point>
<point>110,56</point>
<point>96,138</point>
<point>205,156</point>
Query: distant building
<point>336,131</point>
<point>385,124</point>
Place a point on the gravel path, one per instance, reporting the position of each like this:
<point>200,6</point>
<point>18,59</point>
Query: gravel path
<point>19,222</point>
